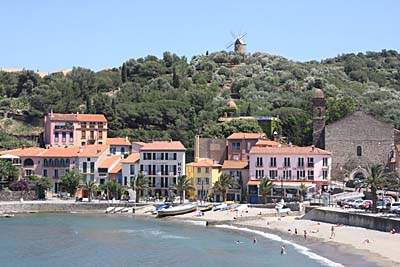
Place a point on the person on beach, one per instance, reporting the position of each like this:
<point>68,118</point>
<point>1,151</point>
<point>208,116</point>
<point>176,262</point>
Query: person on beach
<point>283,250</point>
<point>295,231</point>
<point>332,232</point>
<point>305,235</point>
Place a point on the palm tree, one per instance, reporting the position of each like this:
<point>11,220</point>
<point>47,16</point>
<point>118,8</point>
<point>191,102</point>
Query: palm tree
<point>139,183</point>
<point>225,182</point>
<point>302,190</point>
<point>375,180</point>
<point>90,186</point>
<point>183,184</point>
<point>266,186</point>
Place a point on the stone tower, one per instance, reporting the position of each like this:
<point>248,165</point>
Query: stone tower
<point>240,45</point>
<point>319,109</point>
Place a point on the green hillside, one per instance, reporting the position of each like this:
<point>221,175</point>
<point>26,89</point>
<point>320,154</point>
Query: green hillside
<point>172,98</point>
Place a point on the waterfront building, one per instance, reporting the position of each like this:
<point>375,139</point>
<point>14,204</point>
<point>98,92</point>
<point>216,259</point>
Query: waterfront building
<point>239,144</point>
<point>130,168</point>
<point>289,167</point>
<point>238,169</point>
<point>74,129</point>
<point>119,145</point>
<point>162,162</point>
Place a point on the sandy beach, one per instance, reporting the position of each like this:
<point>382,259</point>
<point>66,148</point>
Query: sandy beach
<point>374,246</point>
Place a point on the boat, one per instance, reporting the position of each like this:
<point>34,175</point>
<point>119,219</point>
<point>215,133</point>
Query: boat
<point>282,208</point>
<point>118,209</point>
<point>127,210</point>
<point>206,208</point>
<point>6,215</point>
<point>182,209</point>
<point>220,207</point>
<point>110,209</point>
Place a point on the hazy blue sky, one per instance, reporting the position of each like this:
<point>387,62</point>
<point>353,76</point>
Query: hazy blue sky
<point>58,34</point>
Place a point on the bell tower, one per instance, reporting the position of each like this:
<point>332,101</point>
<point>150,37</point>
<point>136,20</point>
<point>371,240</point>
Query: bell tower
<point>318,111</point>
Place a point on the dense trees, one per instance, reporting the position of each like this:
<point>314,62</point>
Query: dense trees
<point>160,98</point>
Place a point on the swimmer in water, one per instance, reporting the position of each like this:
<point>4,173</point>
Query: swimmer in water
<point>283,250</point>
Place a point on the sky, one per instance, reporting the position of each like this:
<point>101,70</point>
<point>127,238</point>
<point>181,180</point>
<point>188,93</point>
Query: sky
<point>50,35</point>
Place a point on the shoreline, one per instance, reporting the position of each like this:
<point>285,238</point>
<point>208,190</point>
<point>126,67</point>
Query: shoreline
<point>342,249</point>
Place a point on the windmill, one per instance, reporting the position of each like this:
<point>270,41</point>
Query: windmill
<point>239,44</point>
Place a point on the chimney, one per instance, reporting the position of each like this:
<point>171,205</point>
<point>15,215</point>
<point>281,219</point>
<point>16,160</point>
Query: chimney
<point>23,146</point>
<point>126,139</point>
<point>80,150</point>
<point>196,148</point>
<point>76,115</point>
<point>276,137</point>
<point>51,113</point>
<point>312,148</point>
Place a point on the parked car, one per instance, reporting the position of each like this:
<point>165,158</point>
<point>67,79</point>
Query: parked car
<point>382,205</point>
<point>348,202</point>
<point>393,206</point>
<point>340,202</point>
<point>397,211</point>
<point>366,204</point>
<point>356,203</point>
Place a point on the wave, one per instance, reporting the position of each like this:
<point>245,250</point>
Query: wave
<point>201,223</point>
<point>303,250</point>
<point>153,232</point>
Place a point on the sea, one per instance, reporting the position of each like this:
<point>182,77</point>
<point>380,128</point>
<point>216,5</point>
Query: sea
<point>49,240</point>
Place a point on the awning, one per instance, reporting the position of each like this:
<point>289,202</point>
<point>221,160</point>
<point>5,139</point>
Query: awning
<point>285,184</point>
<point>9,156</point>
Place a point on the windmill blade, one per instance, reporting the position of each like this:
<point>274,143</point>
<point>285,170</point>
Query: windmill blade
<point>233,35</point>
<point>242,35</point>
<point>230,45</point>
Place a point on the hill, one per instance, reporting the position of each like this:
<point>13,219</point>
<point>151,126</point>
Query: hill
<point>151,98</point>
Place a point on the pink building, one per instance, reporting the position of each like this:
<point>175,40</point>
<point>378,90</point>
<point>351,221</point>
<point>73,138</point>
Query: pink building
<point>289,167</point>
<point>74,129</point>
<point>239,144</point>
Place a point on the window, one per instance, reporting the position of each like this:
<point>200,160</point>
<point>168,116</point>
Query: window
<point>122,150</point>
<point>92,135</point>
<point>325,162</point>
<point>248,146</point>
<point>45,173</point>
<point>64,137</point>
<point>71,137</point>
<point>45,163</point>
<point>56,163</point>
<point>359,151</point>
<point>273,174</point>
<point>171,156</point>
<point>286,162</point>
<point>62,163</point>
<point>287,174</point>
<point>84,167</point>
<point>300,162</point>
<point>83,124</point>
<point>51,163</point>
<point>207,170</point>
<point>159,156</point>
<point>147,156</point>
<point>272,162</point>
<point>310,175</point>
<point>259,162</point>
<point>28,172</point>
<point>56,137</point>
<point>301,175</point>
<point>310,162</point>
<point>83,135</point>
<point>198,170</point>
<point>92,124</point>
<point>67,163</point>
<point>132,169</point>
<point>325,175</point>
<point>100,125</point>
<point>207,180</point>
<point>236,146</point>
<point>55,174</point>
<point>259,174</point>
<point>198,180</point>
<point>91,167</point>
<point>100,134</point>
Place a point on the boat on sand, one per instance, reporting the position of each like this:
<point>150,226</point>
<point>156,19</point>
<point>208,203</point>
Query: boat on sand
<point>182,209</point>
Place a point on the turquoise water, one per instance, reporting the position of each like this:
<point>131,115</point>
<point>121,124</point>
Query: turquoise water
<point>96,240</point>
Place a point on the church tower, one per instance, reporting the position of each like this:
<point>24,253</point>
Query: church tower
<point>318,110</point>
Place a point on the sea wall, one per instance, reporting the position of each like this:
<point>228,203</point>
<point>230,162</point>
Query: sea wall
<point>16,195</point>
<point>352,219</point>
<point>32,207</point>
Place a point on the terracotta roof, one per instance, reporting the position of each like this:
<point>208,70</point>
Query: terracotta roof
<point>93,150</point>
<point>235,164</point>
<point>110,161</point>
<point>286,150</point>
<point>132,158</point>
<point>267,143</point>
<point>117,168</point>
<point>163,146</point>
<point>231,104</point>
<point>204,163</point>
<point>319,94</point>
<point>61,152</point>
<point>24,152</point>
<point>77,117</point>
<point>246,136</point>
<point>139,143</point>
<point>118,141</point>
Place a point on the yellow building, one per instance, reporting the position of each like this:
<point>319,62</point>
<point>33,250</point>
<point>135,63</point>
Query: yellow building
<point>203,173</point>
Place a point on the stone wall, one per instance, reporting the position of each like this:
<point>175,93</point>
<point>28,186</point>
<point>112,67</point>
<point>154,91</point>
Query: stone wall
<point>352,219</point>
<point>358,129</point>
<point>16,195</point>
<point>213,149</point>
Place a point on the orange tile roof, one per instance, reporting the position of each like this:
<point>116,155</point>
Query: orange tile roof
<point>118,141</point>
<point>61,152</point>
<point>117,168</point>
<point>24,152</point>
<point>204,163</point>
<point>93,150</point>
<point>163,146</point>
<point>109,161</point>
<point>132,158</point>
<point>267,143</point>
<point>235,164</point>
<point>246,136</point>
<point>289,150</point>
<point>77,117</point>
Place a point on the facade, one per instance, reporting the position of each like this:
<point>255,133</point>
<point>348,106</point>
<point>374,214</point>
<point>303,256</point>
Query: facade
<point>289,167</point>
<point>162,162</point>
<point>119,145</point>
<point>357,141</point>
<point>74,129</point>
<point>89,158</point>
<point>239,144</point>
<point>106,167</point>
<point>130,168</point>
<point>238,169</point>
<point>203,174</point>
